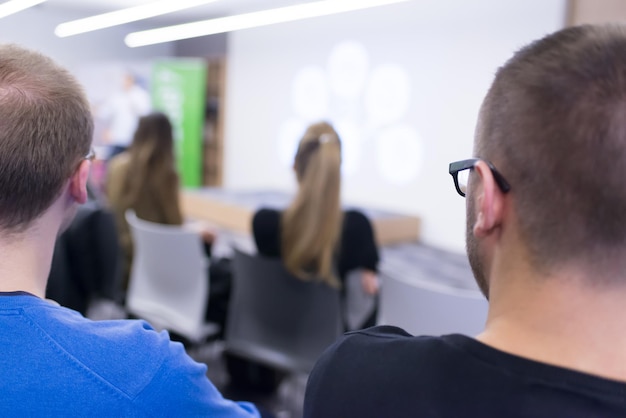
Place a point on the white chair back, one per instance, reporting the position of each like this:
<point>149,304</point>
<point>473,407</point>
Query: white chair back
<point>169,283</point>
<point>422,308</point>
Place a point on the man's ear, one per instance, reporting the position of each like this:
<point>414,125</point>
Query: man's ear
<point>78,182</point>
<point>489,201</point>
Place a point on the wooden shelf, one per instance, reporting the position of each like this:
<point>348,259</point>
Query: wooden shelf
<point>213,140</point>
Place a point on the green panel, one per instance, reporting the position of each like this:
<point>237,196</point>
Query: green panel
<point>178,90</point>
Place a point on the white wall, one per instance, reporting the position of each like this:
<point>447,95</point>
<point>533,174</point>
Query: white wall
<point>450,50</point>
<point>34,28</point>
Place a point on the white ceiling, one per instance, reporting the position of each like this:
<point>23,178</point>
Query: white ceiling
<point>217,8</point>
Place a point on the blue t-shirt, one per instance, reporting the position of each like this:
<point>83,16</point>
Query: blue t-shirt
<point>55,362</point>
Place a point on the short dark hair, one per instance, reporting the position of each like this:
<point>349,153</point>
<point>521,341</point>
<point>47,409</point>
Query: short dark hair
<point>554,123</point>
<point>45,129</point>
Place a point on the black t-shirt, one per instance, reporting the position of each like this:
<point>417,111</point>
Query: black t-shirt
<point>357,247</point>
<point>384,372</point>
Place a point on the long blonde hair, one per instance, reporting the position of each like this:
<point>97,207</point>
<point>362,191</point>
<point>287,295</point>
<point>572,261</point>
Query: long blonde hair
<point>311,225</point>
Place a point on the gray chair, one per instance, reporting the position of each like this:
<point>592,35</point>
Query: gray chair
<point>426,308</point>
<point>278,320</point>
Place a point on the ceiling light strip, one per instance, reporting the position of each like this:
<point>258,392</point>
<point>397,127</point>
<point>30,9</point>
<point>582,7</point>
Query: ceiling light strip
<point>250,20</point>
<point>14,6</point>
<point>120,17</point>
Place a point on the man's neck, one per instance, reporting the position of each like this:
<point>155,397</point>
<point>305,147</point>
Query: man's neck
<point>25,260</point>
<point>561,320</point>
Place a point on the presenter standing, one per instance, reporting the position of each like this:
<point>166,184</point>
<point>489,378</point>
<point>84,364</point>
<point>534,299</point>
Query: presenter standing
<point>122,111</point>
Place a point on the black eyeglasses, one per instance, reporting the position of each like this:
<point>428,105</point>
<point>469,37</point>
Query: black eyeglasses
<point>460,170</point>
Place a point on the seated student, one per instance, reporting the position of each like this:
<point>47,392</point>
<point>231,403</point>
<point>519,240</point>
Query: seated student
<point>313,236</point>
<point>53,361</point>
<point>145,179</point>
<point>546,239</point>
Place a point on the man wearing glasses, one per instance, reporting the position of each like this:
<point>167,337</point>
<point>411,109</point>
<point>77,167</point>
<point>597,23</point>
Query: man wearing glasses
<point>546,239</point>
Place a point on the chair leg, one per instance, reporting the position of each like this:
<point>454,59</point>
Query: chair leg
<point>291,396</point>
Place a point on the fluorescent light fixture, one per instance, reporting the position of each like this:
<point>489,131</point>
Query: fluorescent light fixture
<point>119,17</point>
<point>250,20</point>
<point>14,6</point>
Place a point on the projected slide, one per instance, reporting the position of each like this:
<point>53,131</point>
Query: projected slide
<point>368,105</point>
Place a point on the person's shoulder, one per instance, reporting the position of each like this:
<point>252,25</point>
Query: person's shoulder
<point>383,341</point>
<point>357,229</point>
<point>113,335</point>
<point>267,214</point>
<point>355,215</point>
<point>383,335</point>
<point>354,219</point>
<point>164,380</point>
<point>266,231</point>
<point>266,219</point>
<point>379,331</point>
<point>110,349</point>
<point>385,362</point>
<point>359,350</point>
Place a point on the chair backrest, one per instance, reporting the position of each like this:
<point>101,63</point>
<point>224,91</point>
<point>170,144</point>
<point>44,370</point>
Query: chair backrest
<point>169,283</point>
<point>431,309</point>
<point>277,319</point>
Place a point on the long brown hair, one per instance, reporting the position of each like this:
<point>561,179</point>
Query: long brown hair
<point>311,225</point>
<point>151,152</point>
